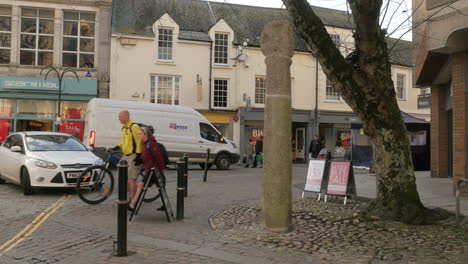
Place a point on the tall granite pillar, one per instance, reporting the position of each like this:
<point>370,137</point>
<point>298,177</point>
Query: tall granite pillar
<point>277,44</point>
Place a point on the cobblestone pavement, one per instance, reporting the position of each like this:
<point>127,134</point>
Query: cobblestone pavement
<point>82,233</point>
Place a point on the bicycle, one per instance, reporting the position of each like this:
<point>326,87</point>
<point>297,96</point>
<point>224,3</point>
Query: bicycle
<point>96,183</point>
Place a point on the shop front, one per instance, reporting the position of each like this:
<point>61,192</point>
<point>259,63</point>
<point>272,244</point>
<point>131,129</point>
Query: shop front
<point>31,104</point>
<point>252,126</point>
<point>335,132</point>
<point>222,121</point>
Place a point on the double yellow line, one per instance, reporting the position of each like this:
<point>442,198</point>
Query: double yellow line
<point>33,226</point>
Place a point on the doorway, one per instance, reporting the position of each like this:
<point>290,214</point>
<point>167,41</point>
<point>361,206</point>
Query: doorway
<point>300,144</point>
<point>34,125</point>
<point>450,143</point>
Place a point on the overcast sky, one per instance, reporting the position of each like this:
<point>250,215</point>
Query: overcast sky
<point>401,11</point>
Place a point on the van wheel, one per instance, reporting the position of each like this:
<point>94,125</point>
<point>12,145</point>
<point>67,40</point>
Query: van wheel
<point>223,162</point>
<point>26,182</point>
<point>202,165</point>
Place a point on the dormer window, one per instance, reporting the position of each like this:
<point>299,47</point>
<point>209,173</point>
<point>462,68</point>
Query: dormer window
<point>165,44</point>
<point>221,48</point>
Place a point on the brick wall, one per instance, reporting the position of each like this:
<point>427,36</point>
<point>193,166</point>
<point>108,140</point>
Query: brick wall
<point>439,133</point>
<point>460,116</point>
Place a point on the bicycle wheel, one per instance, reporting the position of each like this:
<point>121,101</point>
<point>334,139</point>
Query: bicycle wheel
<point>95,184</point>
<point>153,192</point>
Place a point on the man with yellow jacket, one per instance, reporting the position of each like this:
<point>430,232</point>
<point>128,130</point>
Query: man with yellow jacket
<point>131,149</point>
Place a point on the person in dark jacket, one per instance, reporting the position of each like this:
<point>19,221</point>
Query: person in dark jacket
<point>315,147</point>
<point>152,158</point>
<point>258,152</point>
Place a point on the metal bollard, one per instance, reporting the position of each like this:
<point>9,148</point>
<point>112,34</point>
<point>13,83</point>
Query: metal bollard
<point>180,189</point>
<point>206,164</point>
<point>185,166</point>
<point>122,205</point>
<point>457,195</point>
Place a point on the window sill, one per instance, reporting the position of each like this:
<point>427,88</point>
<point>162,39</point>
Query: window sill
<point>334,101</point>
<point>162,62</point>
<point>402,99</point>
<point>222,66</point>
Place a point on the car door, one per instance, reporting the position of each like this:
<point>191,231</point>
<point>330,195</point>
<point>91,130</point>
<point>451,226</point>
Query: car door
<point>7,159</point>
<point>17,158</point>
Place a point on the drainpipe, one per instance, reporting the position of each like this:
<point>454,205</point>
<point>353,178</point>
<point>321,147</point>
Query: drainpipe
<point>210,76</point>
<point>316,124</point>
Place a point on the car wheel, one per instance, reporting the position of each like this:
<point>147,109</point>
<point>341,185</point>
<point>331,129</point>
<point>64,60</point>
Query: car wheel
<point>223,162</point>
<point>26,182</point>
<point>202,165</point>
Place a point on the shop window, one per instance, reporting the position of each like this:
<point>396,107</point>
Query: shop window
<point>165,89</point>
<point>220,93</point>
<point>73,110</point>
<point>332,92</point>
<point>401,86</point>
<point>165,44</point>
<point>5,35</point>
<point>78,48</point>
<point>221,51</point>
<point>38,108</point>
<point>260,90</point>
<point>37,36</point>
<point>6,127</point>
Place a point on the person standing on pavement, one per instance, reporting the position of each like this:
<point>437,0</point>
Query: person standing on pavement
<point>249,153</point>
<point>258,152</point>
<point>315,147</point>
<point>152,158</point>
<point>130,146</point>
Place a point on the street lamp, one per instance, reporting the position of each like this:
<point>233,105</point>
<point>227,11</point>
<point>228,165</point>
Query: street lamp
<point>60,78</point>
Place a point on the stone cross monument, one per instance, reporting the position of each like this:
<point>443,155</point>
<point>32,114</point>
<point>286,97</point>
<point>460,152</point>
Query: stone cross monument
<point>277,45</point>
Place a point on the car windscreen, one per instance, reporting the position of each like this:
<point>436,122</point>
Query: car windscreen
<point>53,143</point>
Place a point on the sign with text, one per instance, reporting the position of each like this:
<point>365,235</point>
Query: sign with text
<point>338,178</point>
<point>315,176</point>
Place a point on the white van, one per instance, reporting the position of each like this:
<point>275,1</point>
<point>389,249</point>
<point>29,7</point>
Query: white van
<point>181,129</point>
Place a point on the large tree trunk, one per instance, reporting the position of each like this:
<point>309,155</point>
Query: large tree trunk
<point>367,87</point>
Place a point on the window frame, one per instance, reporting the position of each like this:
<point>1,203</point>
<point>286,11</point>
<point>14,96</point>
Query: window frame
<point>7,32</point>
<point>216,53</point>
<point>154,78</point>
<point>329,84</point>
<point>36,34</point>
<point>78,38</point>
<point>260,88</point>
<point>213,94</point>
<point>158,58</point>
<point>403,96</point>
<point>336,38</point>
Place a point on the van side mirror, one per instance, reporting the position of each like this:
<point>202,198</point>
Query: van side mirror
<point>15,149</point>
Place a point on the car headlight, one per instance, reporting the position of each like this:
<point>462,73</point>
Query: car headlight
<point>45,164</point>
<point>99,162</point>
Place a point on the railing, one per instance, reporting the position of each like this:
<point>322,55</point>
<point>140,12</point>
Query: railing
<point>424,101</point>
<point>458,198</point>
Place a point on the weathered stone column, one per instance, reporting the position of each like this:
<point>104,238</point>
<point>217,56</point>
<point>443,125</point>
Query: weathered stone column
<point>277,45</point>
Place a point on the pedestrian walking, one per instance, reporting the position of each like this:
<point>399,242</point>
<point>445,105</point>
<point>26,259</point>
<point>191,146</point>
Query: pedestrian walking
<point>152,158</point>
<point>315,147</point>
<point>258,152</point>
<point>250,151</point>
<point>130,146</point>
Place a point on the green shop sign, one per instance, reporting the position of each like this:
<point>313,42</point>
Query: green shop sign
<point>13,86</point>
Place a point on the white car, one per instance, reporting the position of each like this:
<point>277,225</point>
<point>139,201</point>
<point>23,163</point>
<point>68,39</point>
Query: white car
<point>44,159</point>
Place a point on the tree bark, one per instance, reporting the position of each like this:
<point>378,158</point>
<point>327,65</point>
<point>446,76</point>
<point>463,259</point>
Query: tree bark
<point>368,89</point>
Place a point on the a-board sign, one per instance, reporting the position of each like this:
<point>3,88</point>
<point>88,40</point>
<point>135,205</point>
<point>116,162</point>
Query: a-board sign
<point>341,179</point>
<point>315,176</point>
<point>164,198</point>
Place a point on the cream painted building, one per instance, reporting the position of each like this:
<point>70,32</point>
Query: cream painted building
<point>206,55</point>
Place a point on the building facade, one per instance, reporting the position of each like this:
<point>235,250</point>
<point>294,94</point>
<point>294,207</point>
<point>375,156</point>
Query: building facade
<point>60,34</point>
<point>206,55</point>
<point>441,52</point>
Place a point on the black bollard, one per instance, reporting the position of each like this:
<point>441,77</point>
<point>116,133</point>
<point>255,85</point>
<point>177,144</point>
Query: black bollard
<point>180,189</point>
<point>185,166</point>
<point>122,210</point>
<point>206,164</point>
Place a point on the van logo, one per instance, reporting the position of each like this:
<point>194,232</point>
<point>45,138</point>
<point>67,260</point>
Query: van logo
<point>175,126</point>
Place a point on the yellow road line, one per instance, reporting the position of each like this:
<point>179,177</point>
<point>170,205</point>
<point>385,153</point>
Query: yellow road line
<point>34,225</point>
